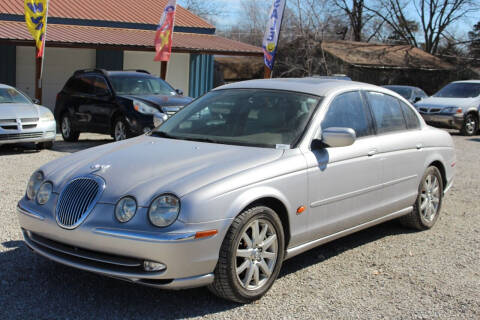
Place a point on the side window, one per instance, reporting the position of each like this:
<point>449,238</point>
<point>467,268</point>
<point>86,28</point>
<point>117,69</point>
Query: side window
<point>410,117</point>
<point>387,112</point>
<point>100,86</point>
<point>348,111</point>
<point>81,84</point>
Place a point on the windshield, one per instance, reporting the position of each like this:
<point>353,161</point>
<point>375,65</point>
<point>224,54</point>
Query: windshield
<point>459,90</point>
<point>251,117</point>
<point>138,85</point>
<point>10,95</point>
<point>404,92</point>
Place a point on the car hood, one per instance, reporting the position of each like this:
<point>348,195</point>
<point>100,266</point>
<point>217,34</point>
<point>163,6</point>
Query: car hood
<point>163,101</point>
<point>146,166</point>
<point>18,110</point>
<point>435,102</point>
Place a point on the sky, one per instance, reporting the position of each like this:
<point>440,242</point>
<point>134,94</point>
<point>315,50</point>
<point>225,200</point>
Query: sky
<point>232,8</point>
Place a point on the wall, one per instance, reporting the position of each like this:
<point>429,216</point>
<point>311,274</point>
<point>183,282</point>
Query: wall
<point>59,65</point>
<point>177,70</point>
<point>7,64</point>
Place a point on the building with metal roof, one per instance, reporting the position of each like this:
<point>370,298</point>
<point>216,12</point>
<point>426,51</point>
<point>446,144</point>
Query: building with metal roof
<point>110,35</point>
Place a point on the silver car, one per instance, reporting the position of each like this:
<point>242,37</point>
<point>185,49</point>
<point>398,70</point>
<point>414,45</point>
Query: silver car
<point>21,120</point>
<point>455,106</point>
<point>241,179</point>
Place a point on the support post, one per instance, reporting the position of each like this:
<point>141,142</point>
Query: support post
<point>163,71</point>
<point>267,73</point>
<point>38,79</point>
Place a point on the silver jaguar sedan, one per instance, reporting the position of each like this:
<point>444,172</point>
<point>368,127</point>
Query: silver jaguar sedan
<point>241,179</point>
<point>22,120</point>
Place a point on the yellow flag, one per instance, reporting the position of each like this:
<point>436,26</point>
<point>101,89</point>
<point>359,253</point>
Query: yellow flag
<point>36,19</point>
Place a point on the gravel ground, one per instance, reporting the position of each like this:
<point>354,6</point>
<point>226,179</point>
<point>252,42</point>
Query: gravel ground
<point>382,272</point>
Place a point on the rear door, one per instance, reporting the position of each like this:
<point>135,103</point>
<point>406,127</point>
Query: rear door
<point>400,148</point>
<point>101,105</point>
<point>344,184</point>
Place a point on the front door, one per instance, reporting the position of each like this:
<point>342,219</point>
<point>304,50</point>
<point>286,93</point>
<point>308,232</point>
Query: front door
<point>345,183</point>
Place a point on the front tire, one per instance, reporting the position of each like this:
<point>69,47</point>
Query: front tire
<point>251,256</point>
<point>470,125</point>
<point>429,202</point>
<point>68,133</point>
<point>121,129</point>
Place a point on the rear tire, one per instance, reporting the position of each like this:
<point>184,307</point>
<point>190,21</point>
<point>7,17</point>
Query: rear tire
<point>251,256</point>
<point>470,125</point>
<point>68,133</point>
<point>429,202</point>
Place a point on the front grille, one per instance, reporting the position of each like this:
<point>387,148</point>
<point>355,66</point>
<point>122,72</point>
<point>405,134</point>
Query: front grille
<point>29,119</point>
<point>77,200</point>
<point>18,136</point>
<point>29,126</point>
<point>423,109</point>
<point>434,110</point>
<point>15,127</point>
<point>8,120</point>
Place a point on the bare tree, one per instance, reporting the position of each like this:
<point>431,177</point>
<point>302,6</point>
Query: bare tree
<point>433,16</point>
<point>208,10</point>
<point>355,12</point>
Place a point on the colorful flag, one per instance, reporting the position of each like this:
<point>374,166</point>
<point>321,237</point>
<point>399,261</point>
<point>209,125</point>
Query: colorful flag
<point>270,40</point>
<point>163,37</point>
<point>36,15</point>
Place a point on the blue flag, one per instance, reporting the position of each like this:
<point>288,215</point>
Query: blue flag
<point>270,40</point>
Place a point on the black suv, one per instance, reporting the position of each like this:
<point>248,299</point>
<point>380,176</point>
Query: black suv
<point>119,103</point>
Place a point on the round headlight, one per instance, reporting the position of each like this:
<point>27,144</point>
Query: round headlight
<point>164,210</point>
<point>125,209</point>
<point>43,194</point>
<point>34,184</point>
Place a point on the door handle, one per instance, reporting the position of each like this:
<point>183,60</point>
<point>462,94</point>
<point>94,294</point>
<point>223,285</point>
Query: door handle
<point>372,153</point>
<point>419,146</point>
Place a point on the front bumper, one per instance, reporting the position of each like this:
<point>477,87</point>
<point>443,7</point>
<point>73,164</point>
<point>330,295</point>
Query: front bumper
<point>43,132</point>
<point>449,121</point>
<point>120,253</point>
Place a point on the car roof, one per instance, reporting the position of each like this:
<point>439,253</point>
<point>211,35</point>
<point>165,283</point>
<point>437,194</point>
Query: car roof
<point>314,86</point>
<point>129,73</point>
<point>399,86</point>
<point>4,86</point>
<point>467,81</point>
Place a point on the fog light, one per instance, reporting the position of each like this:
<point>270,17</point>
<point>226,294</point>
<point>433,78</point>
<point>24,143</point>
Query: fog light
<point>151,266</point>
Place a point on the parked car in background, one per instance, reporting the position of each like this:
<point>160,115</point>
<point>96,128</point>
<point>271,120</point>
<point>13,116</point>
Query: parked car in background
<point>119,103</point>
<point>455,106</point>
<point>336,76</point>
<point>412,94</point>
<point>22,120</point>
<point>256,172</point>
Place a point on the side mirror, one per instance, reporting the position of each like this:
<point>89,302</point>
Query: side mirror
<point>159,118</point>
<point>338,137</point>
<point>179,92</point>
<point>417,99</point>
<point>36,101</point>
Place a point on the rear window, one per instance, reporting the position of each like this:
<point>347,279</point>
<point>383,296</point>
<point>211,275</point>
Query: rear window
<point>80,84</point>
<point>410,117</point>
<point>387,112</point>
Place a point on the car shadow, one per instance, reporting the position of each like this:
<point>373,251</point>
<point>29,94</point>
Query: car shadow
<point>334,248</point>
<point>474,139</point>
<point>33,285</point>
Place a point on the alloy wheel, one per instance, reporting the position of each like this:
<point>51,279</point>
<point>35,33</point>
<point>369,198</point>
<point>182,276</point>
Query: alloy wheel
<point>66,128</point>
<point>470,125</point>
<point>430,198</point>
<point>120,131</point>
<point>256,255</point>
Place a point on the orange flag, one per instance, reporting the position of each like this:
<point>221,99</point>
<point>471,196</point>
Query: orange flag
<point>163,37</point>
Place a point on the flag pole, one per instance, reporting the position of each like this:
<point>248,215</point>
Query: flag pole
<point>39,63</point>
<point>163,70</point>
<point>268,73</point>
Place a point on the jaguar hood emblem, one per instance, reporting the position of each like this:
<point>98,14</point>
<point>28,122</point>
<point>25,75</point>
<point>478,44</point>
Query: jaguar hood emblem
<point>99,167</point>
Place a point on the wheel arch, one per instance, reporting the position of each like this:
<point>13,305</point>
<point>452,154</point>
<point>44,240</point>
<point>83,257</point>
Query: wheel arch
<point>439,165</point>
